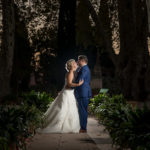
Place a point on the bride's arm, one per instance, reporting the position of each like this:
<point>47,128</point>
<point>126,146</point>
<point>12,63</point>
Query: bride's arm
<point>70,78</point>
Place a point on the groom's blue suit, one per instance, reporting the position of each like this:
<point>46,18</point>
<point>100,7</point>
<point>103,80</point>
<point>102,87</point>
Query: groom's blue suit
<point>83,94</point>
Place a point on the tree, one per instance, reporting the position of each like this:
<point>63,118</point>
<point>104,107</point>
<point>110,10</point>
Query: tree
<point>133,57</point>
<point>41,22</point>
<point>101,31</point>
<point>7,52</point>
<point>23,54</point>
<point>66,36</point>
<point>132,62</point>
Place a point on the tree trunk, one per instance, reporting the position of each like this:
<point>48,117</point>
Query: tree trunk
<point>7,52</point>
<point>84,37</point>
<point>96,81</point>
<point>106,21</point>
<point>132,63</point>
<point>1,26</point>
<point>66,36</point>
<point>101,31</point>
<point>133,57</point>
<point>66,28</point>
<point>21,68</point>
<point>148,12</point>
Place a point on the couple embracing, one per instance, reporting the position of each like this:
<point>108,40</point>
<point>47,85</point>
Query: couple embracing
<point>69,111</point>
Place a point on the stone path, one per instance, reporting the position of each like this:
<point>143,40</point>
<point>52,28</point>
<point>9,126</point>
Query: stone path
<point>95,139</point>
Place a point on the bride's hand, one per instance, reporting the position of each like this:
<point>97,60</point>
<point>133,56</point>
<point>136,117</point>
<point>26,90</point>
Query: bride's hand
<point>81,82</point>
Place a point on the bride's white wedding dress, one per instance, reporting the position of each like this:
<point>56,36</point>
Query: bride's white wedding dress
<point>62,116</point>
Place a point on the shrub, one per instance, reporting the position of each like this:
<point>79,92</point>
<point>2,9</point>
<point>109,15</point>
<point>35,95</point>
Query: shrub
<point>128,127</point>
<point>18,122</point>
<point>39,100</point>
<point>15,123</point>
<point>97,100</point>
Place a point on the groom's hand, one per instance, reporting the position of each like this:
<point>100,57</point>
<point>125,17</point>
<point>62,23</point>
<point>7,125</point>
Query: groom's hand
<point>67,87</point>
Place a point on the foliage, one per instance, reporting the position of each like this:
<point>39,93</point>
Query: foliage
<point>18,122</point>
<point>96,101</point>
<point>40,100</point>
<point>128,127</point>
<point>41,21</point>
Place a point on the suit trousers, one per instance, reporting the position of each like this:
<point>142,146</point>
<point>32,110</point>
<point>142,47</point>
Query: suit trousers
<point>83,111</point>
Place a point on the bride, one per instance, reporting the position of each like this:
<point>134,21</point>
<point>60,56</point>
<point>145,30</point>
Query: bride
<point>62,116</point>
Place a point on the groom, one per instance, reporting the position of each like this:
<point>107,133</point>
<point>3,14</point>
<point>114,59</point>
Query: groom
<point>83,92</point>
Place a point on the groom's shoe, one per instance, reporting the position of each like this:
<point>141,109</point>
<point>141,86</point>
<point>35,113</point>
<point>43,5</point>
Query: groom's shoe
<point>82,131</point>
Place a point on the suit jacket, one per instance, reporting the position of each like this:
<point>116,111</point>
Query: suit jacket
<point>83,91</point>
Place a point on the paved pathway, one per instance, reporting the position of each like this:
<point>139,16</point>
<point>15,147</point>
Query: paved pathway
<point>95,139</point>
<point>98,135</point>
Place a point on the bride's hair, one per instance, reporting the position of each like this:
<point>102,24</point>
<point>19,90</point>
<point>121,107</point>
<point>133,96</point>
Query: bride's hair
<point>68,65</point>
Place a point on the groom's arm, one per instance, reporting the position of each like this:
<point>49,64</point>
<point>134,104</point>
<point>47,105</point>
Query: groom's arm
<point>83,74</point>
<point>70,83</point>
